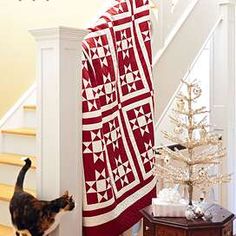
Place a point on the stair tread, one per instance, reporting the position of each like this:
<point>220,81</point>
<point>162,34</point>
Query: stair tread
<point>15,159</point>
<point>6,192</point>
<point>20,131</point>
<point>6,231</point>
<point>30,107</point>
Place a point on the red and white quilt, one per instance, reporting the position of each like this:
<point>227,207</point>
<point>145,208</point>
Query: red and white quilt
<point>118,132</point>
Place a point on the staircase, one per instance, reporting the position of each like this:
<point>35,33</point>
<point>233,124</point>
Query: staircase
<point>17,140</point>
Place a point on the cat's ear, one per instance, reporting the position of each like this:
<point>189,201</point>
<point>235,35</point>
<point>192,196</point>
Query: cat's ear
<point>66,194</point>
<point>71,198</point>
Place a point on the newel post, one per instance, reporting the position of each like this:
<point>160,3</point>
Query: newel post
<point>223,94</point>
<point>59,143</point>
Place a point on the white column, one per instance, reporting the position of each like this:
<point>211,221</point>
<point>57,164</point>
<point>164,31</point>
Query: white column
<point>223,94</point>
<point>59,110</point>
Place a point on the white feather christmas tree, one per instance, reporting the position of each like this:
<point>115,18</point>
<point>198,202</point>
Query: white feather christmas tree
<point>204,150</point>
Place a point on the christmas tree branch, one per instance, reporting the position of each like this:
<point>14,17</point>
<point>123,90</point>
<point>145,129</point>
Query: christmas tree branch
<point>174,139</point>
<point>178,122</point>
<point>175,155</point>
<point>198,111</point>
<point>166,174</point>
<point>208,159</point>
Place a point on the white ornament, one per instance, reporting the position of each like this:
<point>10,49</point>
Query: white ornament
<point>180,104</point>
<point>207,216</point>
<point>178,130</point>
<point>202,172</point>
<point>189,214</point>
<point>203,133</point>
<point>167,159</point>
<point>199,213</point>
<point>213,138</point>
<point>197,91</point>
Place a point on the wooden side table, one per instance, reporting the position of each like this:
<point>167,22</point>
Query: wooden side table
<point>220,225</point>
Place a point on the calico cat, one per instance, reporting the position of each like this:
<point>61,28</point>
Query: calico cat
<point>31,216</point>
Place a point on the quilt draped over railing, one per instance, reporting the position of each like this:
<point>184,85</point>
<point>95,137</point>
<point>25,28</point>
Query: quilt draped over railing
<point>118,131</point>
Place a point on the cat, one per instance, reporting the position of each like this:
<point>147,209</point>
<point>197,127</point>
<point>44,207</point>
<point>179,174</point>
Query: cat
<point>34,217</point>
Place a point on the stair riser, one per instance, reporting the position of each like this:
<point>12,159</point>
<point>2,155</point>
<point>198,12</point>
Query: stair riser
<point>9,174</point>
<point>20,144</point>
<point>5,217</point>
<point>30,119</point>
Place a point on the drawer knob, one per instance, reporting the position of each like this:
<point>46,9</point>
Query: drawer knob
<point>147,228</point>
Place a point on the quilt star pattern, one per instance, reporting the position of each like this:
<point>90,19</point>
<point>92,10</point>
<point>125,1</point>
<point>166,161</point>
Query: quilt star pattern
<point>118,131</point>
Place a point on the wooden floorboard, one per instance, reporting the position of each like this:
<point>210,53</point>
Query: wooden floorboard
<point>6,192</point>
<point>6,231</point>
<point>20,131</point>
<point>15,159</point>
<point>30,107</point>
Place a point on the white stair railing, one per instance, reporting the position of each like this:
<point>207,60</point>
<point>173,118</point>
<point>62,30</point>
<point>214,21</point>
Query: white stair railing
<point>167,17</point>
<point>179,54</point>
<point>59,134</point>
<point>223,95</point>
<point>169,104</point>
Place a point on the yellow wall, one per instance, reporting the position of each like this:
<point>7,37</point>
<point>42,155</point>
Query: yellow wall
<point>17,47</point>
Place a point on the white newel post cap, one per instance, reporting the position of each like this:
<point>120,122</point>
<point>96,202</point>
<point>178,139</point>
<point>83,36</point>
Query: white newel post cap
<point>227,2</point>
<point>59,32</point>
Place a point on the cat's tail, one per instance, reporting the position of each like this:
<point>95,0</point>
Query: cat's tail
<point>21,176</point>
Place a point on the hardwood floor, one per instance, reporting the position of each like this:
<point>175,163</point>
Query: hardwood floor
<point>6,231</point>
<point>128,233</point>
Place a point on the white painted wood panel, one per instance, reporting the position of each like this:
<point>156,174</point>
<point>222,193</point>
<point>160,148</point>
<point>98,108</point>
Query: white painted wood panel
<point>59,139</point>
<point>223,96</point>
<point>178,57</point>
<point>19,144</point>
<point>30,119</point>
<point>5,217</point>
<point>9,173</point>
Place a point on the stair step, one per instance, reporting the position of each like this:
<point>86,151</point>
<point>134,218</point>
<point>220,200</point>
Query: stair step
<point>30,107</point>
<point>6,231</point>
<point>24,145</point>
<point>29,119</point>
<point>5,217</point>
<point>15,159</point>
<point>6,192</point>
<point>20,131</point>
<point>9,173</point>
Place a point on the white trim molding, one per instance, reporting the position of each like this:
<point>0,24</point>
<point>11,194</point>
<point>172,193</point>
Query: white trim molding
<point>223,96</point>
<point>17,105</point>
<point>61,32</point>
<point>59,135</point>
<point>181,52</point>
<point>227,2</point>
<point>163,115</point>
<point>174,31</point>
